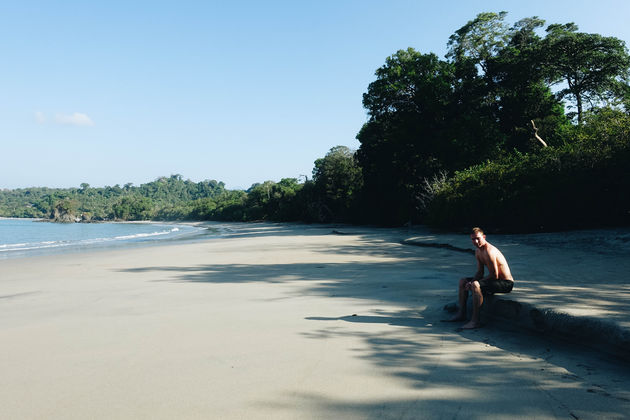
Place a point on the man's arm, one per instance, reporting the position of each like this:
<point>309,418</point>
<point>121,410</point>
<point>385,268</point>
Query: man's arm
<point>478,274</point>
<point>480,267</point>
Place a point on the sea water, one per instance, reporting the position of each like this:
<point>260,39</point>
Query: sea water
<point>25,237</point>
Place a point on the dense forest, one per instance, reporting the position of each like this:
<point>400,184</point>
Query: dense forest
<point>521,127</point>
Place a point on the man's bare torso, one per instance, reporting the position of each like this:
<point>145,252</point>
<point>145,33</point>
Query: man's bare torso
<point>491,257</point>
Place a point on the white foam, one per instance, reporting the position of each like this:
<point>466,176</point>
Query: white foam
<point>30,246</point>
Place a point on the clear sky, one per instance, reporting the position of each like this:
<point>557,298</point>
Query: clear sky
<point>111,92</point>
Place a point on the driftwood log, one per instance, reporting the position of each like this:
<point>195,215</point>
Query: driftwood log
<point>536,134</point>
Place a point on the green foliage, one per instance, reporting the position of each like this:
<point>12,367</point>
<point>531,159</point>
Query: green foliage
<point>581,183</point>
<point>517,83</point>
<point>164,199</point>
<point>64,210</point>
<point>428,117</point>
<point>230,206</point>
<point>479,40</point>
<point>406,137</point>
<point>275,201</point>
<point>133,208</point>
<point>337,183</point>
<point>590,65</point>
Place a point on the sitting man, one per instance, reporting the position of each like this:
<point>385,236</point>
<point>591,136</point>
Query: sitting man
<point>498,280</point>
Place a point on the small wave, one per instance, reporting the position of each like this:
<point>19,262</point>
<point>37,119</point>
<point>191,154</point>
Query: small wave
<point>31,246</point>
<point>89,236</point>
<point>11,245</point>
<point>142,235</point>
<point>91,241</point>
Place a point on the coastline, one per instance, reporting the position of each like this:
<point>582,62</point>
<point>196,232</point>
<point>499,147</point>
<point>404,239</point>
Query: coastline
<point>271,320</point>
<point>77,238</point>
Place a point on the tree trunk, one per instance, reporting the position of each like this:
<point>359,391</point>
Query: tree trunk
<point>578,99</point>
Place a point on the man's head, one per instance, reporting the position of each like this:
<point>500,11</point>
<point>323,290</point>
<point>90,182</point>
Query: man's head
<point>478,237</point>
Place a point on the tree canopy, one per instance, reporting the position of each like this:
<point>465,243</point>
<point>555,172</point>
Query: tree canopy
<point>589,67</point>
<point>447,141</point>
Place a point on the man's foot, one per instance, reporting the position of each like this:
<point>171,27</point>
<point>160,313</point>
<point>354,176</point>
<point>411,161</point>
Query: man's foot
<point>456,318</point>
<point>471,325</point>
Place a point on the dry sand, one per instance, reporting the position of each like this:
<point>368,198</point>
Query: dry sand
<point>276,321</point>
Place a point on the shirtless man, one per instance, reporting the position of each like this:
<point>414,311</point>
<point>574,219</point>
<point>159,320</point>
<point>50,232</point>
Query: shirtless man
<point>498,280</point>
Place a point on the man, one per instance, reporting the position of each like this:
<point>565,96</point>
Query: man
<point>498,280</point>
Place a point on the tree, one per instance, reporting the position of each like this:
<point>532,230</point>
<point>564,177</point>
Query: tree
<point>494,85</point>
<point>518,84</point>
<point>275,201</point>
<point>338,181</point>
<point>405,83</point>
<point>133,208</point>
<point>479,40</point>
<point>230,206</point>
<point>590,66</point>
<point>405,137</point>
<point>64,210</point>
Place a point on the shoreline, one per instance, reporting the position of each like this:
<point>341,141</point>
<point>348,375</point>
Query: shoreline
<point>72,244</point>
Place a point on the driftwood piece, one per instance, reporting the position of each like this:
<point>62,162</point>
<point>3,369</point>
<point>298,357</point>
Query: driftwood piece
<point>536,134</point>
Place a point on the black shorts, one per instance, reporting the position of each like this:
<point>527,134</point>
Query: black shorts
<point>495,286</point>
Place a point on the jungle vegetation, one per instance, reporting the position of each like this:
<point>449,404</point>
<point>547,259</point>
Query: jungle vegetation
<point>521,127</point>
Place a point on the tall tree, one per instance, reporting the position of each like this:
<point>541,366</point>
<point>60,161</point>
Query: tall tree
<point>338,181</point>
<point>403,140</point>
<point>500,86</point>
<point>519,88</point>
<point>589,67</point>
<point>473,51</point>
<point>479,40</point>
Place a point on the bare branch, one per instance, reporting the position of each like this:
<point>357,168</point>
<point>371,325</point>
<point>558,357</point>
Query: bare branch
<point>536,134</point>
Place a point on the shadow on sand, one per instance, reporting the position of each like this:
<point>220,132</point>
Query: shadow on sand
<point>450,373</point>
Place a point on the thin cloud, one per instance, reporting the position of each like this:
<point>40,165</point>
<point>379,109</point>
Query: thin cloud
<point>78,119</point>
<point>40,117</point>
<point>74,119</point>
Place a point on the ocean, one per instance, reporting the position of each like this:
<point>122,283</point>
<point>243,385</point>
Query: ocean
<point>26,237</point>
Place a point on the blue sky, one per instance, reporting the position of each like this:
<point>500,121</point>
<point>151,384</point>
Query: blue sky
<point>112,92</point>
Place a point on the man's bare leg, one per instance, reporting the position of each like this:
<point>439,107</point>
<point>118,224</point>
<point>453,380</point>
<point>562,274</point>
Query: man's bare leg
<point>477,302</point>
<point>463,297</point>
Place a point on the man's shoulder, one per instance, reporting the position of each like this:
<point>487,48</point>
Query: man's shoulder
<point>491,248</point>
<point>494,252</point>
<point>491,251</point>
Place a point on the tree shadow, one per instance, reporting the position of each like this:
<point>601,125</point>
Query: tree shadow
<point>449,373</point>
<point>262,229</point>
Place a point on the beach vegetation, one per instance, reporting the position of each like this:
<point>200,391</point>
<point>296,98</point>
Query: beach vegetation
<point>519,127</point>
<point>581,183</point>
<point>337,185</point>
<point>493,123</point>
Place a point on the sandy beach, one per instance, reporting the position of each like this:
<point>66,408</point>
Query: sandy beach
<point>276,321</point>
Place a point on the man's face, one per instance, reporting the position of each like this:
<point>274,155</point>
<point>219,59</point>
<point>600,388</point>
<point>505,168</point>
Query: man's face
<point>478,239</point>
